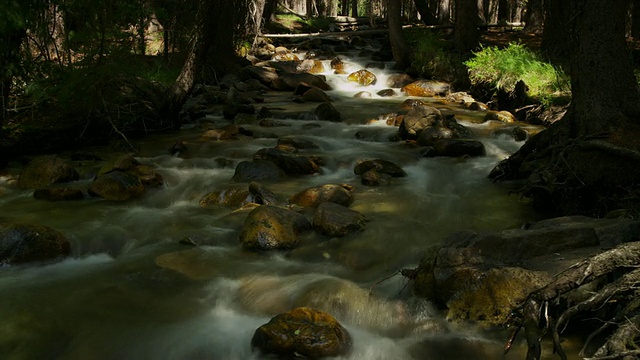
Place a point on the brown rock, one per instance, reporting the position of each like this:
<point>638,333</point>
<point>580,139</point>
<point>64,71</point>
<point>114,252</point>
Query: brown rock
<point>45,171</point>
<point>302,331</point>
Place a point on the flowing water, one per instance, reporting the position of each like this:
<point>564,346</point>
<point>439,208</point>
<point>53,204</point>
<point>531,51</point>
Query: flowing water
<point>131,291</point>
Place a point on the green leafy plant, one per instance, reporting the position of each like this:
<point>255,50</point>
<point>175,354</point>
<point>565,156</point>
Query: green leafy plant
<point>502,68</point>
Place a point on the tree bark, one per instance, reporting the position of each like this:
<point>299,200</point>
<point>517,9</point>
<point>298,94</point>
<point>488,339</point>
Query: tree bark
<point>398,44</point>
<point>444,11</point>
<point>467,34</point>
<point>603,87</point>
<point>269,13</point>
<point>426,15</point>
<point>557,42</point>
<point>635,20</point>
<point>534,17</point>
<point>354,8</point>
<point>212,45</point>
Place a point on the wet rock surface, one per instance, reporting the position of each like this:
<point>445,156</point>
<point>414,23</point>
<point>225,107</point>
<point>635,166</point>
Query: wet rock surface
<point>25,243</point>
<point>303,331</point>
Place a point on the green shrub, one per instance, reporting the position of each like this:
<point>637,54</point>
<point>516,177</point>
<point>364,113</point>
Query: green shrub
<point>503,68</point>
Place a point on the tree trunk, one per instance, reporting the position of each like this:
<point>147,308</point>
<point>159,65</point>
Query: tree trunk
<point>212,45</point>
<point>603,87</point>
<point>444,11</point>
<point>344,8</point>
<point>426,15</point>
<point>503,10</point>
<point>467,34</point>
<point>398,44</point>
<point>354,8</point>
<point>491,11</point>
<point>635,20</point>
<point>534,17</point>
<point>269,13</point>
<point>557,43</point>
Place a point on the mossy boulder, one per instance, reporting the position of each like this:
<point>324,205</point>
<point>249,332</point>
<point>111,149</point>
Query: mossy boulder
<point>45,171</point>
<point>117,186</point>
<point>272,228</point>
<point>24,243</point>
<point>337,221</point>
<point>314,196</point>
<point>381,166</point>
<point>303,331</point>
<point>232,198</point>
<point>259,170</point>
<point>417,119</point>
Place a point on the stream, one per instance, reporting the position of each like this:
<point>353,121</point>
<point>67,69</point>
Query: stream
<point>130,290</point>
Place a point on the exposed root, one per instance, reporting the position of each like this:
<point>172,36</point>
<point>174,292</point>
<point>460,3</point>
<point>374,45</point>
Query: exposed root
<point>624,258</point>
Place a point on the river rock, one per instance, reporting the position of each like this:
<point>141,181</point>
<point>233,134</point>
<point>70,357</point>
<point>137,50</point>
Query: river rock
<point>289,81</point>
<point>418,119</point>
<point>427,88</point>
<point>379,165</point>
<point>314,196</point>
<point>460,97</point>
<point>262,195</point>
<point>362,95</point>
<point>258,170</point>
<point>297,142</point>
<point>302,331</point>
<point>337,221</point>
<point>58,193</point>
<point>457,147</point>
<point>315,95</point>
<point>196,263</point>
<point>338,65</point>
<point>430,135</point>
<point>516,133</point>
<point>117,186</point>
<point>272,228</point>
<point>326,111</point>
<point>399,80</point>
<point>266,75</point>
<point>387,93</point>
<point>363,77</point>
<point>411,103</point>
<point>233,198</point>
<point>504,116</point>
<point>481,276</point>
<point>128,164</point>
<point>375,178</point>
<point>45,171</point>
<point>23,243</point>
<point>291,164</point>
<point>268,294</point>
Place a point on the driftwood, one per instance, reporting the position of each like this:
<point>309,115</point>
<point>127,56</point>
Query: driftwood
<point>624,258</point>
